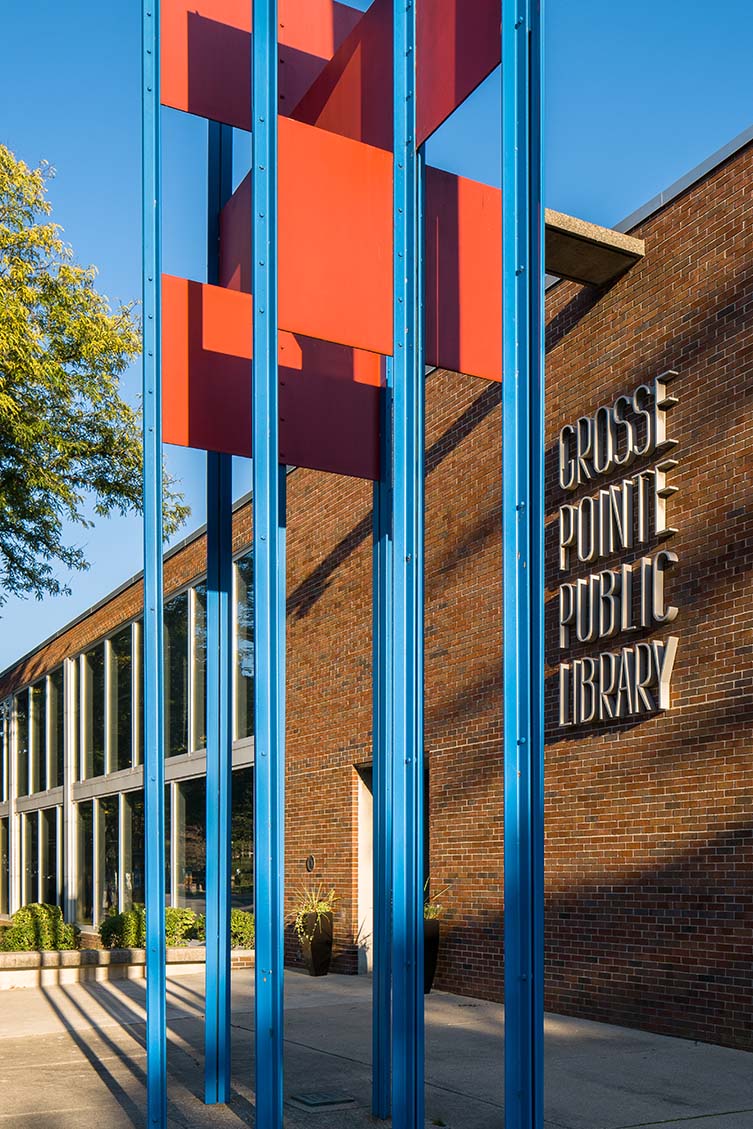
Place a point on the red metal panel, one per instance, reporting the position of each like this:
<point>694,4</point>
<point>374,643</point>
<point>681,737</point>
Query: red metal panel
<point>463,275</point>
<point>206,53</point>
<point>335,238</point>
<point>352,95</point>
<point>458,45</point>
<point>329,395</point>
<point>329,424</point>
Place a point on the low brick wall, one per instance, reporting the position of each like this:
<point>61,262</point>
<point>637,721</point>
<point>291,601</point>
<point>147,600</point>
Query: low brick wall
<point>45,970</point>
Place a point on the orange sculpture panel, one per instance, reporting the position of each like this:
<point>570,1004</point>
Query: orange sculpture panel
<point>328,395</point>
<point>335,238</point>
<point>458,46</point>
<point>206,53</point>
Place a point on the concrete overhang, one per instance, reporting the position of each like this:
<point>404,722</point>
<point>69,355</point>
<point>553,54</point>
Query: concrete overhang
<point>584,252</point>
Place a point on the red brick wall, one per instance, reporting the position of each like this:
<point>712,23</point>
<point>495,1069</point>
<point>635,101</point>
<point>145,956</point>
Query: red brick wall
<point>648,840</point>
<point>648,837</point>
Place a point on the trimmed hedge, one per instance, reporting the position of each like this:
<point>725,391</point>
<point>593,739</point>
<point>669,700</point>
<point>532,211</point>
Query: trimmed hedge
<point>38,928</point>
<point>242,929</point>
<point>127,930</point>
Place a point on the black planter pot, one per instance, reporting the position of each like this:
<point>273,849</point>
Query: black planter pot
<point>317,952</point>
<point>431,951</point>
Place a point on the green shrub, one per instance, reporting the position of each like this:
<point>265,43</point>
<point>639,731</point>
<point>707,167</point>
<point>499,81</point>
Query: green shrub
<point>242,929</point>
<point>38,928</point>
<point>128,930</point>
<point>125,930</point>
<point>179,925</point>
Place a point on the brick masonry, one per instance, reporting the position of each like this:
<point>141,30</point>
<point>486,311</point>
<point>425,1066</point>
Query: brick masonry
<point>648,823</point>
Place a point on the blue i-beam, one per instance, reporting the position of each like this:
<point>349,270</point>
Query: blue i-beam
<point>219,683</point>
<point>407,591</point>
<point>154,771</point>
<point>382,657</point>
<point>269,582</point>
<point>523,560</point>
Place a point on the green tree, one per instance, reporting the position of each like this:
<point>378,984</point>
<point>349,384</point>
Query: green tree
<point>67,438</point>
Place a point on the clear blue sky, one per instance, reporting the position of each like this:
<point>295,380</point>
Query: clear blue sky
<point>638,92</point>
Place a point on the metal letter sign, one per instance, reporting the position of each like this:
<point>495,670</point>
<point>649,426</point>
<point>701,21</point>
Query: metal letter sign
<point>307,346</point>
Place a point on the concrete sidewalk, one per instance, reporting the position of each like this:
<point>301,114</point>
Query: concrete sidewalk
<point>74,1057</point>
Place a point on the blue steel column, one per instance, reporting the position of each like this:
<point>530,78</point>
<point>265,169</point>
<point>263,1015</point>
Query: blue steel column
<point>407,595</point>
<point>154,765</point>
<point>219,684</point>
<point>523,559</point>
<point>381,1011</point>
<point>269,582</point>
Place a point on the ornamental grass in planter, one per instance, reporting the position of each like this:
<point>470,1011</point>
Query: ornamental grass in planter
<point>313,918</point>
<point>432,913</point>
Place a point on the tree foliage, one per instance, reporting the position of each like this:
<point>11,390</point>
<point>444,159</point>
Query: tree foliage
<point>67,438</point>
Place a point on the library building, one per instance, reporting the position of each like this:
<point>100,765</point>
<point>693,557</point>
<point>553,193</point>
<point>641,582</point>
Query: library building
<point>649,659</point>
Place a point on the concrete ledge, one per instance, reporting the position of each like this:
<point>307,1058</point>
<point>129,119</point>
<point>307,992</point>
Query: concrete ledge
<point>45,970</point>
<point>584,252</point>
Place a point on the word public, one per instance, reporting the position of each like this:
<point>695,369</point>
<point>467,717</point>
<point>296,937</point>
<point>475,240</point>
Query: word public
<point>621,517</point>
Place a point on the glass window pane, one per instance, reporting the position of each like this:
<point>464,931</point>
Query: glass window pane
<point>244,655</point>
<point>30,881</point>
<point>3,756</point>
<point>107,847</point>
<point>134,856</point>
<point>121,715</point>
<point>49,857</point>
<point>191,844</point>
<point>38,755</point>
<point>85,904</point>
<point>4,866</point>
<point>168,847</point>
<point>176,675</point>
<point>242,841</point>
<point>200,668</point>
<point>22,744</point>
<point>138,701</point>
<point>93,709</point>
<point>133,851</point>
<point>74,729</point>
<point>57,702</point>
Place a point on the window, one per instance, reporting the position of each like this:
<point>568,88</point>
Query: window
<point>242,840</point>
<point>50,892</point>
<point>85,899</point>
<point>191,844</point>
<point>121,713</point>
<point>38,742</point>
<point>133,850</point>
<point>199,733</point>
<point>30,878</point>
<point>93,712</point>
<point>4,866</point>
<point>73,674</point>
<point>176,675</point>
<point>55,690</point>
<point>107,853</point>
<point>3,755</point>
<point>22,743</point>
<point>244,648</point>
<point>168,847</point>
<point>138,693</point>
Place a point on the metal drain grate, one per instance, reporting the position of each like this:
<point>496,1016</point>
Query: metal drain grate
<point>322,1100</point>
